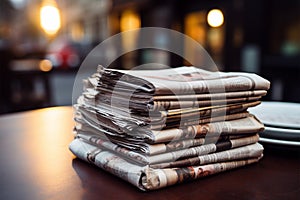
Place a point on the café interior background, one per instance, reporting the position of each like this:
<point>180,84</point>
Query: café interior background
<point>43,42</point>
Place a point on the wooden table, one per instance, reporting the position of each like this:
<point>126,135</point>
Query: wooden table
<point>36,164</point>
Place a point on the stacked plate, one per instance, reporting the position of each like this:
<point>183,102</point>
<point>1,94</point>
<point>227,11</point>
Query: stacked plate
<point>282,122</point>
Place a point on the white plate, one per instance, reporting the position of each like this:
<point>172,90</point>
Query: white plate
<point>281,133</point>
<point>279,142</point>
<point>278,114</point>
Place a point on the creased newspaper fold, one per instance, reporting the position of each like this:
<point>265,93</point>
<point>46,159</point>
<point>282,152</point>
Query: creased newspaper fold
<point>148,178</point>
<point>128,122</point>
<point>98,96</point>
<point>153,142</point>
<point>175,152</point>
<point>181,80</point>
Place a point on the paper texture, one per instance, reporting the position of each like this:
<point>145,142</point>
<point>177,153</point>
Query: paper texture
<point>159,128</point>
<point>175,152</point>
<point>240,126</point>
<point>181,80</point>
<point>147,178</point>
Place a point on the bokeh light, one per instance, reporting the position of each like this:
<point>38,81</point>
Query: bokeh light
<point>215,18</point>
<point>45,65</point>
<point>50,19</point>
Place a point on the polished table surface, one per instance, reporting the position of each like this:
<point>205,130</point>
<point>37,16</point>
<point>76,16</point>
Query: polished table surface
<point>37,164</point>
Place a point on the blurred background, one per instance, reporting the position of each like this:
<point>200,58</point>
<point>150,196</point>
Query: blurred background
<point>43,42</point>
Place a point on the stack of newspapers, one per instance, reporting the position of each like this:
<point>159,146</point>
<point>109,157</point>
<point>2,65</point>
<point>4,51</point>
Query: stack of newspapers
<point>156,128</point>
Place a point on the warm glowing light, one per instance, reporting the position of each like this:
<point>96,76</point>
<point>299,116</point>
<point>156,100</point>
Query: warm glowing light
<point>77,32</point>
<point>215,18</point>
<point>50,19</point>
<point>130,20</point>
<point>45,65</point>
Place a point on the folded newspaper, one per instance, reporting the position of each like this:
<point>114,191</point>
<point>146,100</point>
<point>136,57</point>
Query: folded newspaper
<point>243,126</point>
<point>151,178</point>
<point>115,117</point>
<point>181,80</point>
<point>163,127</point>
